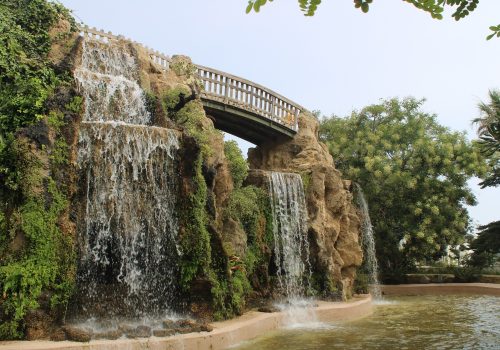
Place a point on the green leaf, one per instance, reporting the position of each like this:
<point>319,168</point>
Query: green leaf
<point>249,7</point>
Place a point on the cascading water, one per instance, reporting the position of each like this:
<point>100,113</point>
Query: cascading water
<point>128,229</point>
<point>368,242</point>
<point>291,245</point>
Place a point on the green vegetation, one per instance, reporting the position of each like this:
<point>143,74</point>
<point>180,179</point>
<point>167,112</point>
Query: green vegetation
<point>414,174</point>
<point>462,8</point>
<point>489,138</point>
<point>204,258</point>
<point>250,207</point>
<point>237,164</point>
<point>36,255</point>
<point>486,246</point>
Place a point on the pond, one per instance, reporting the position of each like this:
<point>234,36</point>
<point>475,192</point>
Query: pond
<point>424,322</point>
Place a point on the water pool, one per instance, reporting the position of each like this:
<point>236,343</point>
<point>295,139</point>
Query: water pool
<point>424,322</point>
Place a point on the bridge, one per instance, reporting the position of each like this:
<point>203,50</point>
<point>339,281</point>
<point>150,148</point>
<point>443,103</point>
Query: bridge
<point>236,105</point>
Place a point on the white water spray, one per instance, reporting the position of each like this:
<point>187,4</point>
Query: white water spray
<point>368,241</point>
<point>291,246</point>
<point>128,250</point>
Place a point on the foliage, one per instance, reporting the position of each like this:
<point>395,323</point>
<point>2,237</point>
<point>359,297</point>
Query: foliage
<point>43,264</point>
<point>195,240</point>
<point>462,8</point>
<point>192,118</point>
<point>247,205</point>
<point>36,256</point>
<point>361,283</point>
<point>250,206</point>
<point>466,274</point>
<point>237,164</point>
<point>173,98</point>
<point>26,76</point>
<point>202,257</point>
<point>486,245</point>
<point>489,138</point>
<point>414,174</point>
<point>495,32</point>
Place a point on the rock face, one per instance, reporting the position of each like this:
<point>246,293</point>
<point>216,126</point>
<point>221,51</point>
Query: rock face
<point>333,222</point>
<point>226,259</point>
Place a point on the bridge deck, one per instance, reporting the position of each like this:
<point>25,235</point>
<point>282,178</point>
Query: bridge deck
<point>246,109</point>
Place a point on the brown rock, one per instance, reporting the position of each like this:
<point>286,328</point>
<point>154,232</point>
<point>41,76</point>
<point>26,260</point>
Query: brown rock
<point>111,334</point>
<point>170,324</point>
<point>78,334</point>
<point>268,309</point>
<point>205,327</point>
<point>184,330</point>
<point>58,335</point>
<point>233,234</point>
<point>163,332</point>
<point>139,332</point>
<point>333,222</point>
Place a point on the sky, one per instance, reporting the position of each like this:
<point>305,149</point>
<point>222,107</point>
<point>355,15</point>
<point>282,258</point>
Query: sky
<point>337,61</point>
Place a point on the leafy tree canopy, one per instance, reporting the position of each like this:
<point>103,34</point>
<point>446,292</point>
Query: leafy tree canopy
<point>462,8</point>
<point>487,243</point>
<point>414,174</point>
<point>489,138</point>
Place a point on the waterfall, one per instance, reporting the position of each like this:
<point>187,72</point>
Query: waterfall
<point>291,246</point>
<point>368,241</point>
<point>127,234</point>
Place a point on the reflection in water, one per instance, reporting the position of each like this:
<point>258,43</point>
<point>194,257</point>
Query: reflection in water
<point>427,322</point>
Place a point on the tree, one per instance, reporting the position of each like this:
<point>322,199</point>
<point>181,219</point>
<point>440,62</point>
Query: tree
<point>414,174</point>
<point>434,7</point>
<point>487,243</point>
<point>489,138</point>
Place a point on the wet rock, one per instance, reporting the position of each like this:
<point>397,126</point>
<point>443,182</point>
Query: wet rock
<point>334,225</point>
<point>58,335</point>
<point>78,334</point>
<point>139,332</point>
<point>110,334</point>
<point>163,332</point>
<point>169,324</point>
<point>205,327</point>
<point>187,324</point>
<point>184,330</point>
<point>38,325</point>
<point>268,309</point>
<point>125,327</point>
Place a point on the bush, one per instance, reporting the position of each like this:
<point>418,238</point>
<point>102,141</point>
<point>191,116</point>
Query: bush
<point>237,164</point>
<point>466,274</point>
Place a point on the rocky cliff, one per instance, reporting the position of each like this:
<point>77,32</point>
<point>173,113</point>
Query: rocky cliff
<point>334,225</point>
<point>225,228</point>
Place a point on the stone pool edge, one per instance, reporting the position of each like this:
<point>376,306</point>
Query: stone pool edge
<point>441,288</point>
<point>225,334</point>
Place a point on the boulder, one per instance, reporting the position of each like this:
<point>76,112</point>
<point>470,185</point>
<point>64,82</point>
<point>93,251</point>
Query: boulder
<point>78,334</point>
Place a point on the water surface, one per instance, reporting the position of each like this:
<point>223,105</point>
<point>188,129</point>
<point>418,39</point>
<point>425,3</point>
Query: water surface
<point>426,322</point>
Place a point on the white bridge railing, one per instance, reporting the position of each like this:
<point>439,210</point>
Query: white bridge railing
<point>244,94</point>
<point>223,87</point>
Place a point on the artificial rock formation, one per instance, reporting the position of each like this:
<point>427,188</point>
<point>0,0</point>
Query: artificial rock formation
<point>215,280</point>
<point>333,222</point>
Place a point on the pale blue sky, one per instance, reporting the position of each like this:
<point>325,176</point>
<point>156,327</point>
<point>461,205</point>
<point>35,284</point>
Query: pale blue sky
<point>336,61</point>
